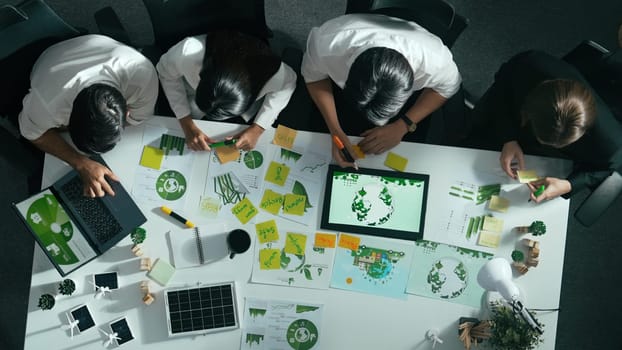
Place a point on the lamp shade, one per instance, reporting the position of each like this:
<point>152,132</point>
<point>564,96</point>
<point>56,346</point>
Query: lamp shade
<point>496,276</point>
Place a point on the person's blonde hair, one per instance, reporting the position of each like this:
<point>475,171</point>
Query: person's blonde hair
<point>560,111</point>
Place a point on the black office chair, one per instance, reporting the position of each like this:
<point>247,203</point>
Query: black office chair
<point>437,16</point>
<point>26,30</point>
<point>603,70</point>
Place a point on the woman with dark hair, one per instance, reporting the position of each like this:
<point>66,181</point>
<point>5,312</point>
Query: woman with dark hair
<point>541,105</point>
<point>225,75</point>
<point>379,77</point>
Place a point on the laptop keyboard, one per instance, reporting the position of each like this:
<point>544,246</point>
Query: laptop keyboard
<point>96,216</point>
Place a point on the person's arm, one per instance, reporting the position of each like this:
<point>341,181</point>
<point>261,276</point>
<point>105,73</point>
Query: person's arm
<point>321,93</point>
<point>383,138</point>
<point>142,92</point>
<point>276,94</point>
<point>195,137</point>
<point>170,70</point>
<point>93,174</point>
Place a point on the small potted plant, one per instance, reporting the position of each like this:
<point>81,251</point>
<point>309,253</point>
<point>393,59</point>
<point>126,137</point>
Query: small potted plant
<point>537,228</point>
<point>138,236</point>
<point>509,331</point>
<point>67,287</point>
<point>518,262</point>
<point>46,301</point>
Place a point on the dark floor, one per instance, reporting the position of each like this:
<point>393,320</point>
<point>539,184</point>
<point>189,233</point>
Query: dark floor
<point>590,307</point>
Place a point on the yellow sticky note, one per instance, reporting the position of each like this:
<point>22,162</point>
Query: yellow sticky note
<point>294,204</point>
<point>358,152</point>
<point>277,173</point>
<point>284,136</point>
<point>492,224</point>
<point>267,231</point>
<point>295,243</point>
<point>269,259</point>
<point>271,202</point>
<point>152,157</point>
<point>325,240</point>
<point>227,154</point>
<point>244,210</point>
<point>525,176</point>
<point>348,241</point>
<point>499,204</point>
<point>489,239</point>
<point>396,162</point>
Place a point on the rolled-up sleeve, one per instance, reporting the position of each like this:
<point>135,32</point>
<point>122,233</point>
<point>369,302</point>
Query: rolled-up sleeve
<point>447,81</point>
<point>277,92</point>
<point>171,69</point>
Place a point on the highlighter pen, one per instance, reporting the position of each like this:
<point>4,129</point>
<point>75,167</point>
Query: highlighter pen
<point>344,151</point>
<point>176,216</point>
<point>223,143</point>
<point>538,191</point>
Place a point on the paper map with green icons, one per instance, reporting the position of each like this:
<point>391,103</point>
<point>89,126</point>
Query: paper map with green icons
<point>56,233</point>
<point>281,325</point>
<point>292,260</point>
<point>446,272</point>
<point>162,178</point>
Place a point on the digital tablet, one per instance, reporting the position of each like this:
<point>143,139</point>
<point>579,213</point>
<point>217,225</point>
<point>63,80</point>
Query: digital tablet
<point>375,202</point>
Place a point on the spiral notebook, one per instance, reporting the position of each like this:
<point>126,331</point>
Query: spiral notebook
<point>199,245</point>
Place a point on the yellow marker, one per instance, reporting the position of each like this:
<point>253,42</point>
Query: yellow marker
<point>176,216</point>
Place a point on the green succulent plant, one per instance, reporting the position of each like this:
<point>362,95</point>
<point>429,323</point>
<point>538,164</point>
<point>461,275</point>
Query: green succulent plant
<point>46,302</point>
<point>67,287</point>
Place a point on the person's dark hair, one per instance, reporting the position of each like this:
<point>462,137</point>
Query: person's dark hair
<point>96,119</point>
<point>236,66</point>
<point>380,81</point>
<point>560,111</point>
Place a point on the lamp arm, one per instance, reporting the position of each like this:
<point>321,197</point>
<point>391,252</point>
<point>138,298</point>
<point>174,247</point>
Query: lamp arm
<point>520,309</point>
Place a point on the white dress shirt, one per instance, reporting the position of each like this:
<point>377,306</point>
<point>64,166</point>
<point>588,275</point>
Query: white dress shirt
<point>179,70</point>
<point>333,47</point>
<point>65,69</point>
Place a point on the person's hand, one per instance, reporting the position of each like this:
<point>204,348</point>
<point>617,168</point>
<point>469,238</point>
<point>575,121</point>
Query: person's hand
<point>382,138</point>
<point>338,156</point>
<point>93,176</point>
<point>511,151</point>
<point>553,188</point>
<point>247,139</point>
<point>195,137</point>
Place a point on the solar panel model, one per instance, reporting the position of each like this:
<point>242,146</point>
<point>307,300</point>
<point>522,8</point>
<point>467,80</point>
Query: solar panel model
<point>124,333</point>
<point>203,309</point>
<point>83,315</point>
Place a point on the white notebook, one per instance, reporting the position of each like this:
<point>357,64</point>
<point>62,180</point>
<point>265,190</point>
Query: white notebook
<point>199,245</point>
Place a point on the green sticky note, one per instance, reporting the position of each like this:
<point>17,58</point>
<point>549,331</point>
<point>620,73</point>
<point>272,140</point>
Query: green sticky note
<point>277,173</point>
<point>267,231</point>
<point>396,162</point>
<point>294,204</point>
<point>271,202</point>
<point>295,243</point>
<point>269,259</point>
<point>244,210</point>
<point>152,157</point>
<point>161,272</point>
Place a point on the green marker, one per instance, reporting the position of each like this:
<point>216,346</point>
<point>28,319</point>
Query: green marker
<point>539,190</point>
<point>223,143</point>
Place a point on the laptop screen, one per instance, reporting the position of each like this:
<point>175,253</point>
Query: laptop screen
<point>57,234</point>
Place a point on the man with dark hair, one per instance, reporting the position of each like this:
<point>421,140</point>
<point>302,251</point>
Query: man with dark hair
<point>541,105</point>
<point>225,75</point>
<point>393,73</point>
<point>91,86</point>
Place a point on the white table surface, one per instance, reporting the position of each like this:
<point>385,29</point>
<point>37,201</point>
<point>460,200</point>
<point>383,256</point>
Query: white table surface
<point>351,320</point>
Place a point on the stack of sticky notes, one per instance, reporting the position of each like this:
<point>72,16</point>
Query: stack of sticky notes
<point>395,161</point>
<point>526,176</point>
<point>161,272</point>
<point>490,234</point>
<point>499,204</point>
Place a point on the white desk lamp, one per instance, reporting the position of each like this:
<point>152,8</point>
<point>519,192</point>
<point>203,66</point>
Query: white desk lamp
<point>496,276</point>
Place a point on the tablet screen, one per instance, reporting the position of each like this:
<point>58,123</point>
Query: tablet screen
<point>375,202</point>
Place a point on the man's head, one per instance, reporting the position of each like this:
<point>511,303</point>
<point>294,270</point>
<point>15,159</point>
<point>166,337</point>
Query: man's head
<point>560,111</point>
<point>97,118</point>
<point>380,81</point>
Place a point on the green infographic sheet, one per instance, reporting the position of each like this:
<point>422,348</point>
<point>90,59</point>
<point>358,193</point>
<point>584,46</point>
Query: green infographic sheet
<point>446,272</point>
<point>56,233</point>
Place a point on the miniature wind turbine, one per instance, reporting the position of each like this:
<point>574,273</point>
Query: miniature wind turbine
<point>112,337</point>
<point>100,291</point>
<point>432,335</point>
<point>71,325</point>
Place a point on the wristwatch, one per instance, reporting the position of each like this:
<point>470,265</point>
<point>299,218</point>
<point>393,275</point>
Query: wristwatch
<point>409,123</point>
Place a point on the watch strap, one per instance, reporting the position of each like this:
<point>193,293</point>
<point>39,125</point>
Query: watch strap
<point>409,123</point>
